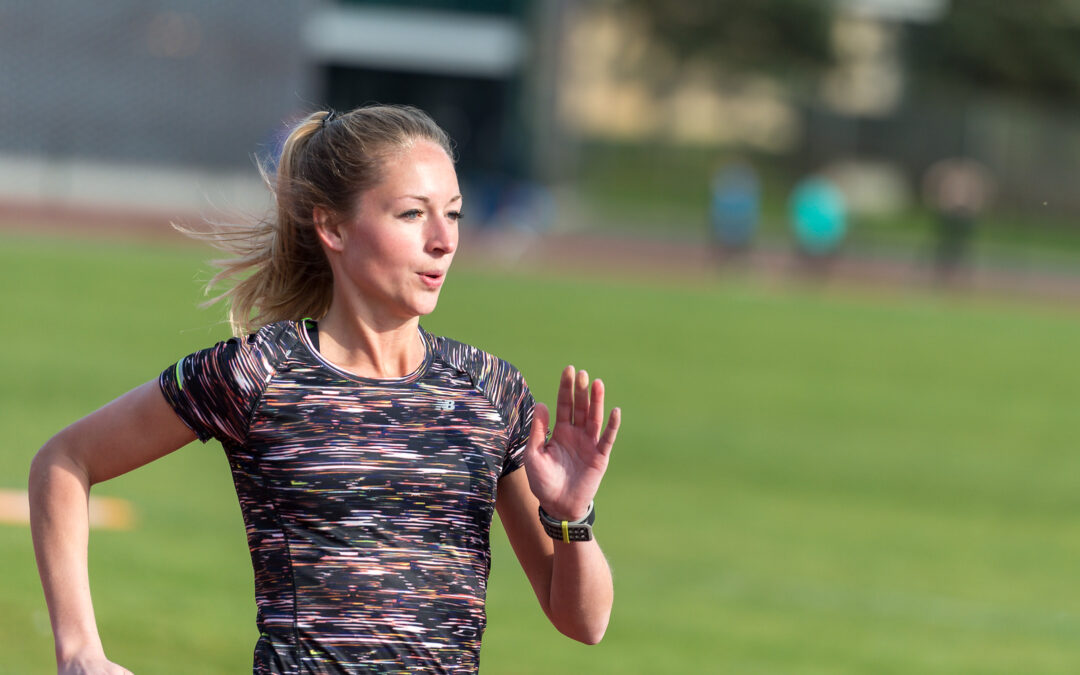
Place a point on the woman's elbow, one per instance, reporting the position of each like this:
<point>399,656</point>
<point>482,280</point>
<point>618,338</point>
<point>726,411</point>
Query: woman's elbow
<point>55,454</point>
<point>592,638</point>
<point>43,460</point>
<point>590,631</point>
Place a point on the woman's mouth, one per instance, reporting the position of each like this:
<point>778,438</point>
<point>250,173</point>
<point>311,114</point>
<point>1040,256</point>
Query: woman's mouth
<point>432,279</point>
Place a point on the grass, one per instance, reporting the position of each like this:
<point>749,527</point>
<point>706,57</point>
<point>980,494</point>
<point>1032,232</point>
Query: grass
<point>806,482</point>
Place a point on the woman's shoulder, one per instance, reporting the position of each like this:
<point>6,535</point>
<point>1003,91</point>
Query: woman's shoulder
<point>496,379</point>
<point>269,344</point>
<point>271,335</point>
<point>461,353</point>
<point>483,366</point>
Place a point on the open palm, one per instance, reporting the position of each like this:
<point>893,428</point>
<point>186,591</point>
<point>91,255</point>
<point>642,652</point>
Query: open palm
<point>565,470</point>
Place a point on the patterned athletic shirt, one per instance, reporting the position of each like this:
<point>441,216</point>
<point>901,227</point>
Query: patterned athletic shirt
<point>367,503</point>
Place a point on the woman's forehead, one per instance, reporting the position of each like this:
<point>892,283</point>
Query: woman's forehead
<point>422,171</point>
<point>423,162</point>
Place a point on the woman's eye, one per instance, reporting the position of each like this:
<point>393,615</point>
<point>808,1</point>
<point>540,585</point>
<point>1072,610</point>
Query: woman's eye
<point>412,214</point>
<point>455,215</point>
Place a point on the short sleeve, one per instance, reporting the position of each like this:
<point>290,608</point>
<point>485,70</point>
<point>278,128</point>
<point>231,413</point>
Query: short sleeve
<point>520,425</point>
<point>504,387</point>
<point>213,391</point>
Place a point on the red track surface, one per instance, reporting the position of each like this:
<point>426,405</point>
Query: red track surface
<point>623,257</point>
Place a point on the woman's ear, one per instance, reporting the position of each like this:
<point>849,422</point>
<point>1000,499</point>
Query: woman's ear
<point>328,229</point>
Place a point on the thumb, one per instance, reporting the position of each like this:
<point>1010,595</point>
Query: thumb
<point>539,429</point>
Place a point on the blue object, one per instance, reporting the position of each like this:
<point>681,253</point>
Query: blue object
<point>735,205</point>
<point>818,215</point>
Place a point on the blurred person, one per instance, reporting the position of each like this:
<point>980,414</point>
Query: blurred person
<point>818,217</point>
<point>734,207</point>
<point>957,189</point>
<point>368,455</point>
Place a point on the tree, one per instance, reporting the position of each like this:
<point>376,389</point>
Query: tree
<point>1030,48</point>
<point>776,36</point>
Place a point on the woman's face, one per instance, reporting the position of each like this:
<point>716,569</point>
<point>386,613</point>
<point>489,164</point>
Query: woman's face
<point>397,247</point>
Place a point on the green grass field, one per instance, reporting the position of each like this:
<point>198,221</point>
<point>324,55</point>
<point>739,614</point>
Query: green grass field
<point>807,481</point>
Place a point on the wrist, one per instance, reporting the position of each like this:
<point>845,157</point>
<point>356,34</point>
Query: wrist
<point>75,645</point>
<point>566,530</point>
<point>571,513</point>
<point>78,659</point>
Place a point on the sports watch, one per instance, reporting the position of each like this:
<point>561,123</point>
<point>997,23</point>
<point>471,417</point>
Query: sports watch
<point>569,530</point>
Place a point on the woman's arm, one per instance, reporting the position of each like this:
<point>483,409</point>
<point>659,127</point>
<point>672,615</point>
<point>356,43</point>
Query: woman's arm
<point>129,432</point>
<point>572,581</point>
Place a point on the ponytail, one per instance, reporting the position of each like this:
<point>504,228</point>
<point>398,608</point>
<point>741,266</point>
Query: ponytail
<point>277,268</point>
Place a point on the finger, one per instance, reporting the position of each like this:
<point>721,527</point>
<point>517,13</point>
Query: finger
<point>581,398</point>
<point>539,429</point>
<point>596,410</point>
<point>607,439</point>
<point>564,407</point>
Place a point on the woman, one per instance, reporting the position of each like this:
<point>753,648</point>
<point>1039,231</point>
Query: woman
<point>368,456</point>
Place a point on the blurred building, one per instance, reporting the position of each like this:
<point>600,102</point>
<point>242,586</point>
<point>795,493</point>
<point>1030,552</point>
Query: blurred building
<point>868,113</point>
<point>619,85</point>
<point>863,113</point>
<point>464,61</point>
<point>183,82</point>
<point>96,93</point>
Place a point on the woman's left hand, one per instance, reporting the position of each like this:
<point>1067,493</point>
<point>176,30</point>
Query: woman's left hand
<point>564,470</point>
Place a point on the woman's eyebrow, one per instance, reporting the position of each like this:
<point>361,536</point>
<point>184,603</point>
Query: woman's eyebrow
<point>427,200</point>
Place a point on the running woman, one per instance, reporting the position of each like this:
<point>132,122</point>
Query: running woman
<point>368,455</point>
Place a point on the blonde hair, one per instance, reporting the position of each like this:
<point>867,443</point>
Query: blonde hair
<point>278,269</point>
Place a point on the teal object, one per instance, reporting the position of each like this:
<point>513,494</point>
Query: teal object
<point>818,215</point>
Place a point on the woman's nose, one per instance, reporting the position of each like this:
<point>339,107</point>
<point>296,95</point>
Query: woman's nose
<point>443,235</point>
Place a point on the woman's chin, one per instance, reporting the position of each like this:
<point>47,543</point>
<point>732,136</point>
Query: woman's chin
<point>424,306</point>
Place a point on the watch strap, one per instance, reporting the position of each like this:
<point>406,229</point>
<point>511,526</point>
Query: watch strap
<point>568,531</point>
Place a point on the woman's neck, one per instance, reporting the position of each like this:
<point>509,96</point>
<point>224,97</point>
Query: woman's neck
<point>380,350</point>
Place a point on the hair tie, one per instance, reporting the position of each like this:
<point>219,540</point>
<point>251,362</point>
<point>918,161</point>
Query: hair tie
<point>329,118</point>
